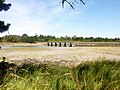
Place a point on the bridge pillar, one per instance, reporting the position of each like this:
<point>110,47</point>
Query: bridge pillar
<point>48,44</point>
<point>55,44</point>
<point>51,44</point>
<point>64,44</point>
<point>70,44</point>
<point>60,44</point>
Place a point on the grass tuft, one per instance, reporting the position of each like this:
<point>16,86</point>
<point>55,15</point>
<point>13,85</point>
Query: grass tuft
<point>89,75</point>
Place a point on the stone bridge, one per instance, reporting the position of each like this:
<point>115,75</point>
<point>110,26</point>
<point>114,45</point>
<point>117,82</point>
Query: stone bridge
<point>60,44</point>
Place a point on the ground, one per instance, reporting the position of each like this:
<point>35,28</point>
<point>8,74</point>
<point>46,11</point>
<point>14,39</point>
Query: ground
<point>60,55</point>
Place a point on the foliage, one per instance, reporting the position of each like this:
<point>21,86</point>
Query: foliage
<point>90,75</point>
<point>5,7</point>
<point>41,38</point>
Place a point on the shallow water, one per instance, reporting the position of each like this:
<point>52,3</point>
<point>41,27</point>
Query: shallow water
<point>40,47</point>
<point>25,47</point>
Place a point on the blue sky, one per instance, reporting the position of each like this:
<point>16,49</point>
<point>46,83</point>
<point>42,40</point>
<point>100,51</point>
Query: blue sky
<point>98,18</point>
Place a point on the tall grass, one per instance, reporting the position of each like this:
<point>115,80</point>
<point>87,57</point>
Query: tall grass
<point>90,75</point>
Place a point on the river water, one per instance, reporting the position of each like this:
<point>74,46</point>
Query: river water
<point>3,47</point>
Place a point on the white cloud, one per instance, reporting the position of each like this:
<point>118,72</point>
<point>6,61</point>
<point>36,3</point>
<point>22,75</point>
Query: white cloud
<point>37,16</point>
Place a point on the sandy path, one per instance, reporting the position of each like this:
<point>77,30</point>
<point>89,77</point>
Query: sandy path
<point>63,55</point>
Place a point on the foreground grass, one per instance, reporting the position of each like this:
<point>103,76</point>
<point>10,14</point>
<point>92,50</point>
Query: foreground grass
<point>90,75</point>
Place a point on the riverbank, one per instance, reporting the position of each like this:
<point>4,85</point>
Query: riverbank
<point>42,67</point>
<point>62,55</point>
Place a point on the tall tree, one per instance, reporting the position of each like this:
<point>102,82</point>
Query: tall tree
<point>4,7</point>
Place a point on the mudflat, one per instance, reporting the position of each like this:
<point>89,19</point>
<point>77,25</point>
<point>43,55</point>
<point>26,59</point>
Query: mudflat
<point>59,55</point>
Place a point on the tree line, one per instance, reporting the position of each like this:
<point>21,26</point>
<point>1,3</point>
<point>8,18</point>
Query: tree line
<point>48,38</point>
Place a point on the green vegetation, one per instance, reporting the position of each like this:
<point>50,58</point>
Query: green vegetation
<point>90,75</point>
<point>41,38</point>
<point>4,7</point>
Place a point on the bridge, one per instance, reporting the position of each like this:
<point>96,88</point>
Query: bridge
<point>60,44</point>
<point>83,44</point>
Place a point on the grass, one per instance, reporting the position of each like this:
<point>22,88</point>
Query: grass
<point>89,75</point>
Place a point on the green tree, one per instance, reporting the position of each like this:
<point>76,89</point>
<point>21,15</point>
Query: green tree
<point>24,38</point>
<point>3,6</point>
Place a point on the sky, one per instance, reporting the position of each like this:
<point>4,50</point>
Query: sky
<point>98,18</point>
